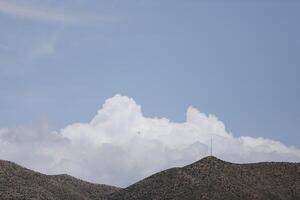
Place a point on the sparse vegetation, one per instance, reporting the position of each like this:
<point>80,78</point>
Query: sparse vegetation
<point>18,183</point>
<point>209,178</point>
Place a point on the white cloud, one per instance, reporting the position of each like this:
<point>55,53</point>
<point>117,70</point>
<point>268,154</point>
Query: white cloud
<point>32,12</point>
<point>120,145</point>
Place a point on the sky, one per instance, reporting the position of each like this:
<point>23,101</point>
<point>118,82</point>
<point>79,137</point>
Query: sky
<point>126,78</point>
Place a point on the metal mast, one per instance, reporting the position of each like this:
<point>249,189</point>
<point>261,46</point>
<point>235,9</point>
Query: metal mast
<point>211,146</point>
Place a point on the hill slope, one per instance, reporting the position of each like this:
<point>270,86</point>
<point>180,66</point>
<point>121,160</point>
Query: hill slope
<point>211,178</point>
<point>17,182</point>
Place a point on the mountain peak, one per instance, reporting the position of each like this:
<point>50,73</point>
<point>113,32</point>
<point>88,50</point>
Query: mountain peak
<point>208,161</point>
<point>212,178</point>
<point>210,158</point>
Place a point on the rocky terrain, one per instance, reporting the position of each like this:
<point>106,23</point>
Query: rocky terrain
<point>18,183</point>
<point>211,178</point>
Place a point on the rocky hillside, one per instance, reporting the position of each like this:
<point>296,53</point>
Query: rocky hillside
<point>211,178</point>
<point>19,183</point>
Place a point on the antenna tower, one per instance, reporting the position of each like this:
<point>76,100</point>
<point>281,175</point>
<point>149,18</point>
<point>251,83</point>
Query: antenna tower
<point>211,142</point>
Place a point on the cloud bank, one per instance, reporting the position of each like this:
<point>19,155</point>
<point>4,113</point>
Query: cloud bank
<point>120,145</point>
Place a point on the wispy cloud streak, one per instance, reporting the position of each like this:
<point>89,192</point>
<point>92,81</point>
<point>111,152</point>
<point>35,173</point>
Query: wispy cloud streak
<point>3,46</point>
<point>33,13</point>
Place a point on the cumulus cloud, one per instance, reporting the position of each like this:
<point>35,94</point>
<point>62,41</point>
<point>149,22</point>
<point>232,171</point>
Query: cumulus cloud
<point>120,145</point>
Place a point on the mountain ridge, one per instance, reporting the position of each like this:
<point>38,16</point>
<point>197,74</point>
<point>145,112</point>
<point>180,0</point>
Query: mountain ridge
<point>17,182</point>
<point>212,178</point>
<point>208,178</point>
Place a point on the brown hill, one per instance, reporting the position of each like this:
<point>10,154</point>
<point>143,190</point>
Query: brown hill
<point>20,183</point>
<point>211,178</point>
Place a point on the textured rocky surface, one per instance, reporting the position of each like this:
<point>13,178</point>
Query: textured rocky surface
<point>211,178</point>
<point>20,183</point>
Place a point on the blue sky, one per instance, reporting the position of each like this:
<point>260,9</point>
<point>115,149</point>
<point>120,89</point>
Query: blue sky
<point>60,60</point>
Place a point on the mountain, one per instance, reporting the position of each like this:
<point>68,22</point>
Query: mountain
<point>214,179</point>
<point>20,183</point>
<point>209,178</point>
